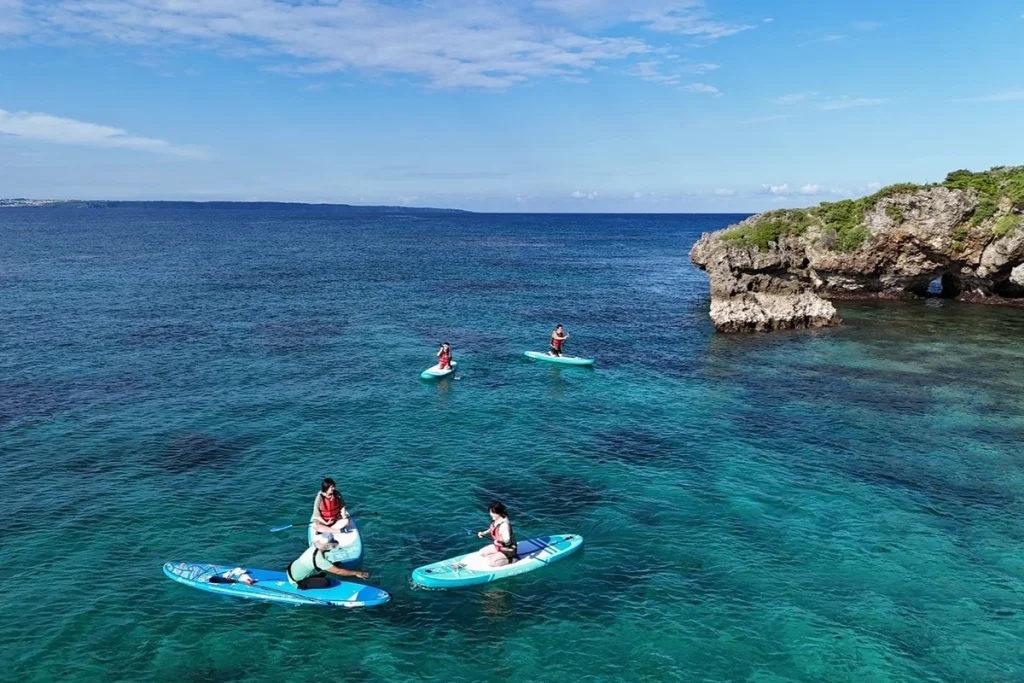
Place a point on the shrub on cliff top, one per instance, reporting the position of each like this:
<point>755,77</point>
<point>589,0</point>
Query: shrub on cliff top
<point>768,228</point>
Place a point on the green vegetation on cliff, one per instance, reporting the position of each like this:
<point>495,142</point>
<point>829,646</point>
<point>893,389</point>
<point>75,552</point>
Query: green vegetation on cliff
<point>844,220</point>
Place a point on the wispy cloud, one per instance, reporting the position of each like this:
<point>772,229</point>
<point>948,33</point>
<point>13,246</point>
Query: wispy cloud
<point>12,18</point>
<point>701,88</point>
<point>656,71</point>
<point>867,25</point>
<point>768,20</point>
<point>582,194</point>
<point>485,44</point>
<point>844,102</point>
<point>767,119</point>
<point>793,98</point>
<point>1005,96</point>
<point>59,130</point>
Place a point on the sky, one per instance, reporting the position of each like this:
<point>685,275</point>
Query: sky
<point>505,105</point>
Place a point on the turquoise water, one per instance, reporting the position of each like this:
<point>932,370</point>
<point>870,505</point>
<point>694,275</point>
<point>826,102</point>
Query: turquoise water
<point>842,505</point>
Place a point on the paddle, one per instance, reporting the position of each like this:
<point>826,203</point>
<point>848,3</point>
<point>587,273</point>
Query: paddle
<point>275,529</point>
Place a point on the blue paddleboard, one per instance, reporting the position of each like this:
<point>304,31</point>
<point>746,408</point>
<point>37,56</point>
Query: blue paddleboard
<point>349,553</point>
<point>273,586</point>
<point>533,554</point>
<point>435,372</point>
<point>561,360</point>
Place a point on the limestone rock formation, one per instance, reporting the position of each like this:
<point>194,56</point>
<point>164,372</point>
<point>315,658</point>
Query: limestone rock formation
<point>779,270</point>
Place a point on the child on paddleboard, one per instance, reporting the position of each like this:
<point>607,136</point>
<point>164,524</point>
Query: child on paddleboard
<point>330,516</point>
<point>444,356</point>
<point>558,338</point>
<point>503,548</point>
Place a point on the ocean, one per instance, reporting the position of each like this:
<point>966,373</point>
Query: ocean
<point>840,505</point>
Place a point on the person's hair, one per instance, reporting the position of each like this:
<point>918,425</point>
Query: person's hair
<point>498,509</point>
<point>559,325</point>
<point>326,484</point>
<point>445,344</point>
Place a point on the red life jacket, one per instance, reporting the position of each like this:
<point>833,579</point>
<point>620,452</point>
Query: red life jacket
<point>496,537</point>
<point>330,508</point>
<point>556,343</point>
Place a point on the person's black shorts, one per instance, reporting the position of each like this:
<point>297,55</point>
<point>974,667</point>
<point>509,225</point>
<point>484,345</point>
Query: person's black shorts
<point>315,581</point>
<point>555,350</point>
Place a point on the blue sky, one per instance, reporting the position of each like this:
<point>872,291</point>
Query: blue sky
<point>529,105</point>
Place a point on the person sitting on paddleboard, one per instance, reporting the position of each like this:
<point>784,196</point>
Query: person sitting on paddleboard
<point>310,569</point>
<point>503,548</point>
<point>444,356</point>
<point>330,515</point>
<point>558,338</point>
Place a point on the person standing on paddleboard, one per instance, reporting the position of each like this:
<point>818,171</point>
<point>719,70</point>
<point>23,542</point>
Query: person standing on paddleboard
<point>444,356</point>
<point>558,338</point>
<point>310,569</point>
<point>330,515</point>
<point>503,549</point>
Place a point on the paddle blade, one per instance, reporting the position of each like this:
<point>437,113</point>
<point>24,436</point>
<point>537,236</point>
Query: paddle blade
<point>275,529</point>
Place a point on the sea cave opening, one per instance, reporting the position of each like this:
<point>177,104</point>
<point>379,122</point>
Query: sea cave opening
<point>944,286</point>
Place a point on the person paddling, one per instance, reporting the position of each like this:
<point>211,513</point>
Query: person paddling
<point>558,338</point>
<point>330,515</point>
<point>503,548</point>
<point>444,356</point>
<point>310,569</point>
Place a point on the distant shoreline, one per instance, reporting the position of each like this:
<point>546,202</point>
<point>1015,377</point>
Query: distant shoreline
<point>172,204</point>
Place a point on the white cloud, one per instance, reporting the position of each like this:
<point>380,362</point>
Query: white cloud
<point>768,20</point>
<point>1005,96</point>
<point>686,17</point>
<point>777,190</point>
<point>810,189</point>
<point>793,98</point>
<point>651,71</point>
<point>724,192</point>
<point>12,18</point>
<point>845,102</point>
<point>58,130</point>
<point>460,43</point>
<point>701,88</point>
<point>580,194</point>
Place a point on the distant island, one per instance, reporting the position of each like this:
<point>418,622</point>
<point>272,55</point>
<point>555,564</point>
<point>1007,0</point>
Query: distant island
<point>266,206</point>
<point>960,239</point>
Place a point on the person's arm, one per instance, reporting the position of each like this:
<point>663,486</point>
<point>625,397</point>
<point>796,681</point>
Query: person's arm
<point>339,571</point>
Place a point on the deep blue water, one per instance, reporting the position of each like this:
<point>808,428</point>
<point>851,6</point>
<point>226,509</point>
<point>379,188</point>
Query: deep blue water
<point>841,505</point>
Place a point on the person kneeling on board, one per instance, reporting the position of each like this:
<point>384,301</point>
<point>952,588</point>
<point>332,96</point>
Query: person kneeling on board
<point>444,357</point>
<point>503,548</point>
<point>330,515</point>
<point>310,569</point>
<point>558,338</point>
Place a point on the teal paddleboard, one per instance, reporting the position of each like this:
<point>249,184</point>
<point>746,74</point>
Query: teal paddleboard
<point>472,569</point>
<point>273,586</point>
<point>561,360</point>
<point>435,372</point>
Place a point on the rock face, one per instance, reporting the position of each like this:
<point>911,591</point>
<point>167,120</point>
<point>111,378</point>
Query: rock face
<point>780,270</point>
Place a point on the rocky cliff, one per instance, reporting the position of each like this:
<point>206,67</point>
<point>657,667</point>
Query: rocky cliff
<point>779,270</point>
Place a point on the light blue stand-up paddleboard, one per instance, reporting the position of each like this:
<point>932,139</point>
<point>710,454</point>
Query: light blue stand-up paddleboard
<point>435,372</point>
<point>349,553</point>
<point>273,586</point>
<point>533,554</point>
<point>561,360</point>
